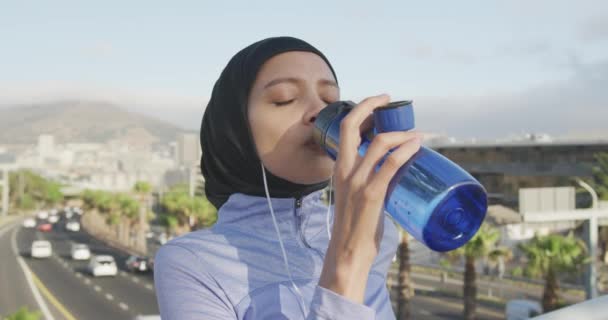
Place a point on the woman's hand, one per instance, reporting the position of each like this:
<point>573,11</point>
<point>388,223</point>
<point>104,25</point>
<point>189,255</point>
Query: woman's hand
<point>359,198</point>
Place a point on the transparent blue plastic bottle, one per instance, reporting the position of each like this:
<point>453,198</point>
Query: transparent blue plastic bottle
<point>435,200</point>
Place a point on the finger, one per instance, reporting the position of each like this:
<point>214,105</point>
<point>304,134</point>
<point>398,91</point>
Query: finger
<point>350,133</point>
<point>380,146</point>
<point>380,181</point>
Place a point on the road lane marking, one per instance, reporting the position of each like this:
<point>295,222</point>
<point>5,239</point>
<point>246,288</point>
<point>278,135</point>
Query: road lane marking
<point>78,275</point>
<point>52,298</point>
<point>109,297</point>
<point>135,280</point>
<point>28,277</point>
<point>424,312</point>
<point>123,306</point>
<point>122,273</point>
<point>87,281</point>
<point>97,288</point>
<point>149,286</point>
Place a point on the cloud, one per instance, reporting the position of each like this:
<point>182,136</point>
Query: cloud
<point>425,51</point>
<point>595,29</point>
<point>100,48</point>
<point>184,111</point>
<point>523,49</point>
<point>575,106</point>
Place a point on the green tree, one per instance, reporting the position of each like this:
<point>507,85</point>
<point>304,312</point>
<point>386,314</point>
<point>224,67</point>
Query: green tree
<point>186,213</point>
<point>142,187</point>
<point>24,314</point>
<point>550,255</point>
<point>29,190</point>
<point>599,177</point>
<point>405,280</point>
<point>482,246</point>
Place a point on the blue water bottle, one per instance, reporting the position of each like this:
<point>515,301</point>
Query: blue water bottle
<point>435,200</point>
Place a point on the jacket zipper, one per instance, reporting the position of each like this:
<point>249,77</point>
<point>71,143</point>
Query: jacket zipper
<point>297,206</point>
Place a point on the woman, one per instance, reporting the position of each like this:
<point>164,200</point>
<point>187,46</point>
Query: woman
<point>273,253</point>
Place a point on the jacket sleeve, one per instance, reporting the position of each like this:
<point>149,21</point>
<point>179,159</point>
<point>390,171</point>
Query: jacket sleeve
<point>184,290</point>
<point>327,305</point>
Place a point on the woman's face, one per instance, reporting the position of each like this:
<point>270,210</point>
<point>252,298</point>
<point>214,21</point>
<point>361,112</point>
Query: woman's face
<point>289,91</point>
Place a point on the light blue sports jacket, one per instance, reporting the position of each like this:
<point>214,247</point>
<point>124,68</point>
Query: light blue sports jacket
<point>235,269</point>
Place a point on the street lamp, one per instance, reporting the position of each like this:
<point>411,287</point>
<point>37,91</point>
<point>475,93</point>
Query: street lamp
<point>591,226</point>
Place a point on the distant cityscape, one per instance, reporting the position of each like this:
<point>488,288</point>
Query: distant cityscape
<point>111,166</point>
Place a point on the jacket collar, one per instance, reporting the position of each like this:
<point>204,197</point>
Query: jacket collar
<point>253,212</point>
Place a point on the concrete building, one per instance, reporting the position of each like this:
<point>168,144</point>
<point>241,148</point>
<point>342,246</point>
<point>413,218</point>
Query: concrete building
<point>503,168</point>
<point>46,145</point>
<point>188,151</point>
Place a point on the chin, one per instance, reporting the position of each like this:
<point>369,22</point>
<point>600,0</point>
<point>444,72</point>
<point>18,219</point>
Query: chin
<point>316,174</point>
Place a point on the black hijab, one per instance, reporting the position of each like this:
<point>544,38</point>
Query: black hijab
<point>230,163</point>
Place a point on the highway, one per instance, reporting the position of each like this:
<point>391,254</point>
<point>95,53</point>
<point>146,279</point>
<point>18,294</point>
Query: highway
<point>65,286</point>
<point>63,289</point>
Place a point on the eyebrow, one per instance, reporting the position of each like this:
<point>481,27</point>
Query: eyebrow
<point>325,82</point>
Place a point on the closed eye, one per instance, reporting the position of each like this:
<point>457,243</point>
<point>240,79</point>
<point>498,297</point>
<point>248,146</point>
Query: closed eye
<point>283,103</point>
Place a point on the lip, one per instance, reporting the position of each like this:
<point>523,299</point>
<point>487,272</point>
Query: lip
<point>312,144</point>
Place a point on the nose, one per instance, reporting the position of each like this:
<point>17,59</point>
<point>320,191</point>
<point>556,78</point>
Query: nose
<point>313,112</point>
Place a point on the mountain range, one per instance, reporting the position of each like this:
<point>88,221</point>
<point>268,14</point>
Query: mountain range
<point>82,121</point>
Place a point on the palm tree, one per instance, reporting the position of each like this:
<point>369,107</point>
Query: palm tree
<point>481,246</point>
<point>184,213</point>
<point>405,281</point>
<point>142,189</point>
<point>24,314</point>
<point>550,255</point>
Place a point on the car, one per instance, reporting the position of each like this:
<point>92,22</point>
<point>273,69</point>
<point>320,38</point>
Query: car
<point>53,218</point>
<point>45,227</point>
<point>80,251</point>
<point>103,265</point>
<point>162,238</point>
<point>520,309</point>
<point>29,223</point>
<point>42,215</point>
<point>54,212</point>
<point>137,263</point>
<point>41,249</point>
<point>69,214</point>
<point>73,226</point>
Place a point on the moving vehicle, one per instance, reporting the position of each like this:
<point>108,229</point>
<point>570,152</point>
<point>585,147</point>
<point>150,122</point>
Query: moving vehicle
<point>80,251</point>
<point>103,265</point>
<point>41,249</point>
<point>73,226</point>
<point>45,227</point>
<point>137,263</point>
<point>29,223</point>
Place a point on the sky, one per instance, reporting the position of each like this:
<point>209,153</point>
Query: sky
<point>475,69</point>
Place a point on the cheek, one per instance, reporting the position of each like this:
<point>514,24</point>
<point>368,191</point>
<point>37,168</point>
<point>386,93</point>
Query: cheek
<point>270,132</point>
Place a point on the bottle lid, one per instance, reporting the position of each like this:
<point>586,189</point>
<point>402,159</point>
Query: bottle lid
<point>395,116</point>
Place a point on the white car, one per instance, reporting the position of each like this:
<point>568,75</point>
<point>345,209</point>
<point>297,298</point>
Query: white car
<point>41,249</point>
<point>80,251</point>
<point>53,218</point>
<point>521,309</point>
<point>42,215</point>
<point>29,223</point>
<point>69,214</point>
<point>103,265</point>
<point>73,226</point>
<point>54,212</point>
